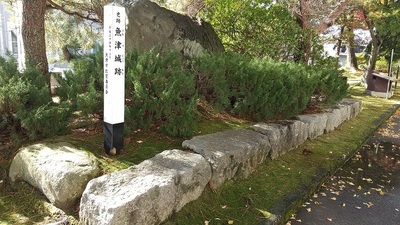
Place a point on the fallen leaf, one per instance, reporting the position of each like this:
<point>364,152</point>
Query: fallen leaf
<point>308,209</point>
<point>139,142</point>
<point>369,180</point>
<point>224,206</point>
<point>329,219</point>
<point>344,204</point>
<point>315,195</point>
<point>351,183</point>
<point>358,207</point>
<point>368,204</point>
<point>359,188</point>
<point>333,198</point>
<point>335,192</point>
<point>382,193</point>
<point>323,194</point>
<point>397,210</point>
<point>360,169</point>
<point>230,221</point>
<point>266,214</point>
<point>206,222</point>
<point>299,220</point>
<point>317,203</point>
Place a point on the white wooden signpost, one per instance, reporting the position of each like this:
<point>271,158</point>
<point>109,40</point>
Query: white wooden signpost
<point>114,78</point>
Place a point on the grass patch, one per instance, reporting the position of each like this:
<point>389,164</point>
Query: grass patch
<point>23,204</point>
<point>276,181</point>
<point>353,74</point>
<point>279,183</point>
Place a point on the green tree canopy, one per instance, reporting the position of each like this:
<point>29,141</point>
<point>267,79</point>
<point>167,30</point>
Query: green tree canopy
<point>254,28</point>
<point>69,33</point>
<point>383,21</point>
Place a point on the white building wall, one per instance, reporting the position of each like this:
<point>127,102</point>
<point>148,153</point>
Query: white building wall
<point>4,17</point>
<point>11,23</point>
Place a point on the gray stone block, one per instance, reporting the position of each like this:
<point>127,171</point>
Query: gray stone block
<point>298,132</point>
<point>147,193</point>
<point>334,119</point>
<point>345,111</point>
<point>232,153</point>
<point>277,135</point>
<point>355,106</point>
<point>316,124</point>
<point>283,135</point>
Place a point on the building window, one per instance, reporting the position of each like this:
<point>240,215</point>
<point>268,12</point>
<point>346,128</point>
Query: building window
<point>14,45</point>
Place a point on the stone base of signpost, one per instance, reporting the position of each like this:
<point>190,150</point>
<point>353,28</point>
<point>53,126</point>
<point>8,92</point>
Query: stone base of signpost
<point>113,138</point>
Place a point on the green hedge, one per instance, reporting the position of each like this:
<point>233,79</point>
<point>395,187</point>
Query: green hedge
<point>162,90</point>
<point>83,86</point>
<point>331,84</point>
<point>25,104</point>
<point>262,88</point>
<point>162,93</point>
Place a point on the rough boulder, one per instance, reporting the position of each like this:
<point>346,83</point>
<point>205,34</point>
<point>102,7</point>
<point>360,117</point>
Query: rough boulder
<point>59,171</point>
<point>147,193</point>
<point>150,25</point>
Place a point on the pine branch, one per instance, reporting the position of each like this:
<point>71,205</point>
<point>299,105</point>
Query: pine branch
<point>89,16</point>
<point>332,17</point>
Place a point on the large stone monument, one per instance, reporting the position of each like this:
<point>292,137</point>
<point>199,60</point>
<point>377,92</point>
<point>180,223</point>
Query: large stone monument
<point>150,25</point>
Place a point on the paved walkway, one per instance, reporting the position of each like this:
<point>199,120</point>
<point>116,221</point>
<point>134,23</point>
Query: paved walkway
<point>366,190</point>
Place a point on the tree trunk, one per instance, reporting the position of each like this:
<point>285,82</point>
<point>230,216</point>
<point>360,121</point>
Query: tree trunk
<point>376,44</point>
<point>305,45</point>
<point>351,57</point>
<point>375,47</point>
<point>338,46</point>
<point>67,54</point>
<point>351,54</point>
<point>33,34</point>
<point>374,56</point>
<point>339,42</point>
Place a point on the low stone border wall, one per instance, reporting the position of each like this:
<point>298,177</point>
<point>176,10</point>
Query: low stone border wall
<point>152,191</point>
